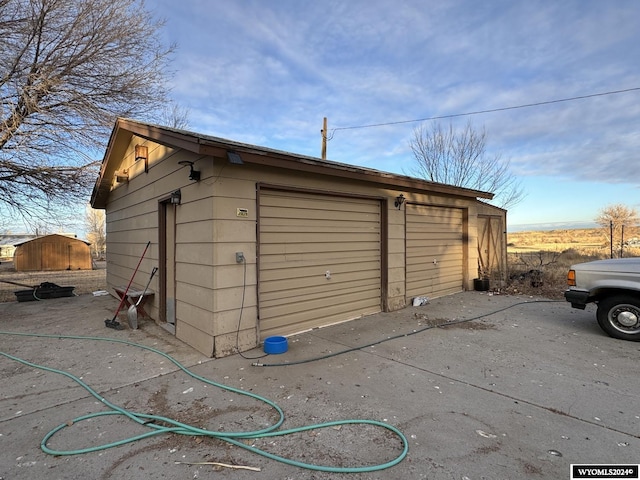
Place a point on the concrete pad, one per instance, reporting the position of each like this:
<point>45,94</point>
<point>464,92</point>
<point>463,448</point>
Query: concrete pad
<point>483,387</point>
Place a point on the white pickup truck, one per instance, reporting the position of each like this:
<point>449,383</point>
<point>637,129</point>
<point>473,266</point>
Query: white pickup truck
<point>614,285</point>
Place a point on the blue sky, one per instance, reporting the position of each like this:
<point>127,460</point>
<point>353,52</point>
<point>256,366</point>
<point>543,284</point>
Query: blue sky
<point>266,72</point>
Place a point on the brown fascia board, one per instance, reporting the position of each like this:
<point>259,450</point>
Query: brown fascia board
<point>323,167</point>
<point>279,159</point>
<point>493,206</point>
<point>164,135</point>
<point>217,147</point>
<point>102,186</point>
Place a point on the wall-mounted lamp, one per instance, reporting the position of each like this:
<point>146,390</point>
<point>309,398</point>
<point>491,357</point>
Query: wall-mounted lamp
<point>234,158</point>
<point>399,201</point>
<point>193,174</point>
<point>175,198</point>
<point>122,176</point>
<point>142,153</point>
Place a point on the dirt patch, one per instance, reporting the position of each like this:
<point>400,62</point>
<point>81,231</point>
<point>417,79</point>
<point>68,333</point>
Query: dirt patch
<point>473,325</point>
<point>445,322</point>
<point>84,281</point>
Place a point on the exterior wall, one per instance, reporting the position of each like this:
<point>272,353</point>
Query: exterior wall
<point>52,252</point>
<point>209,284</point>
<point>133,220</point>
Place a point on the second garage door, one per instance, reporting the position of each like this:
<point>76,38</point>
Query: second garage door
<point>434,250</point>
<point>319,260</point>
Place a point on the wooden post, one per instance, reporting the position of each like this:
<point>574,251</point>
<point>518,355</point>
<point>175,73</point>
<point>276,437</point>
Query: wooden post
<point>324,138</point>
<point>611,235</point>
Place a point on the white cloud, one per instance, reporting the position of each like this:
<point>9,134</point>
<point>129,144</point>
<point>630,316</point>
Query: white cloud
<point>267,72</point>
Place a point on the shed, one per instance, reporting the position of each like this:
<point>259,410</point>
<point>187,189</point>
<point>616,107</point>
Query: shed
<point>252,242</point>
<point>52,252</point>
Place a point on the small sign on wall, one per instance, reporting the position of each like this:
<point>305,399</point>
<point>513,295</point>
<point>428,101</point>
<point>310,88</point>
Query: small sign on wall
<point>242,212</point>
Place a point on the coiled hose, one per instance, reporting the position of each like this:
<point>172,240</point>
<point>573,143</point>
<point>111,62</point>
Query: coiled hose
<point>160,425</point>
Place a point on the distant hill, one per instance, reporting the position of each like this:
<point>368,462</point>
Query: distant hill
<point>536,227</point>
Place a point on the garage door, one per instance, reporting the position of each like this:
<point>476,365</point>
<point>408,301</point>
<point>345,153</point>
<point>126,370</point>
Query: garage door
<point>434,251</point>
<point>319,260</point>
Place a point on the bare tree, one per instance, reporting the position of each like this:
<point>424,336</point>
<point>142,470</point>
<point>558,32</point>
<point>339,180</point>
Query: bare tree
<point>175,116</point>
<point>613,219</point>
<point>96,231</point>
<point>69,68</point>
<point>460,158</point>
<point>4,226</point>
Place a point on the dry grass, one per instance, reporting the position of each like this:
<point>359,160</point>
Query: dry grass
<point>84,281</point>
<point>591,241</point>
<point>539,261</point>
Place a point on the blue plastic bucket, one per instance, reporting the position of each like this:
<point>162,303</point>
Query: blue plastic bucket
<point>274,345</point>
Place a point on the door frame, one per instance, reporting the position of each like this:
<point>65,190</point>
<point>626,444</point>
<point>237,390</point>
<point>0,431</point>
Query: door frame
<point>166,251</point>
<point>384,233</point>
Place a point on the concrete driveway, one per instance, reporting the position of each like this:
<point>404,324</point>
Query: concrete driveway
<point>522,392</point>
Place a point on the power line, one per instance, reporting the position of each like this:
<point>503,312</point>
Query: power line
<point>492,110</point>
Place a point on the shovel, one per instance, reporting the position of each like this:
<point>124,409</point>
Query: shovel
<point>114,323</point>
<point>133,309</point>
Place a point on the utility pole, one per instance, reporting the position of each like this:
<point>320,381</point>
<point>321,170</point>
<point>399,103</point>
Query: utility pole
<point>323,132</point>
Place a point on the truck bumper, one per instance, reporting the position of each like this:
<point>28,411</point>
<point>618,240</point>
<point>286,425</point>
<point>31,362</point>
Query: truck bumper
<point>577,298</point>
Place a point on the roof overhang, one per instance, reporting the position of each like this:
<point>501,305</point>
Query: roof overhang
<point>218,147</point>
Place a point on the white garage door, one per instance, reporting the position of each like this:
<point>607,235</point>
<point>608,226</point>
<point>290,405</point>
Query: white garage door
<point>434,251</point>
<point>319,260</point>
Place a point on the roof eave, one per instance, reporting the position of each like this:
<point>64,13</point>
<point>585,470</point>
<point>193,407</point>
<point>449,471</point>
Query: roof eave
<point>207,145</point>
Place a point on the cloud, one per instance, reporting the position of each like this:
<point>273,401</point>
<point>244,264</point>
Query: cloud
<point>267,72</point>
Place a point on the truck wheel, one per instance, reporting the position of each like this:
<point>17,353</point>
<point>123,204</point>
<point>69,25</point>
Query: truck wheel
<point>619,317</point>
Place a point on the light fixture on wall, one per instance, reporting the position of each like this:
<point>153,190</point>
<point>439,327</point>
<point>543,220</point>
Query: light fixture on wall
<point>399,201</point>
<point>234,158</point>
<point>193,174</point>
<point>175,197</point>
<point>142,153</point>
<point>122,176</point>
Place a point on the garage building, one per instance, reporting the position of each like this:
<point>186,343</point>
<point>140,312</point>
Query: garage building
<point>252,242</point>
<point>52,252</point>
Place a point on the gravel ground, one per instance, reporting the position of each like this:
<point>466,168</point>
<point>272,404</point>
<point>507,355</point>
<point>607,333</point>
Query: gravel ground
<point>483,386</point>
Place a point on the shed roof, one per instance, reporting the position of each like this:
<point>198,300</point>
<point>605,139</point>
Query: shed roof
<point>66,237</point>
<point>203,144</point>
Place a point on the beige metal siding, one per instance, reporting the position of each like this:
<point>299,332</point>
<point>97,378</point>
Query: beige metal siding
<point>434,251</point>
<point>302,236</point>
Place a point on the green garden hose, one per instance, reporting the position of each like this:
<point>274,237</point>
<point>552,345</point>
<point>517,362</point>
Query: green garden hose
<point>160,425</point>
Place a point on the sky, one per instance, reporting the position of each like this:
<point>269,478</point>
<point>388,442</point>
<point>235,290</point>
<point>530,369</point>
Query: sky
<point>267,72</point>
